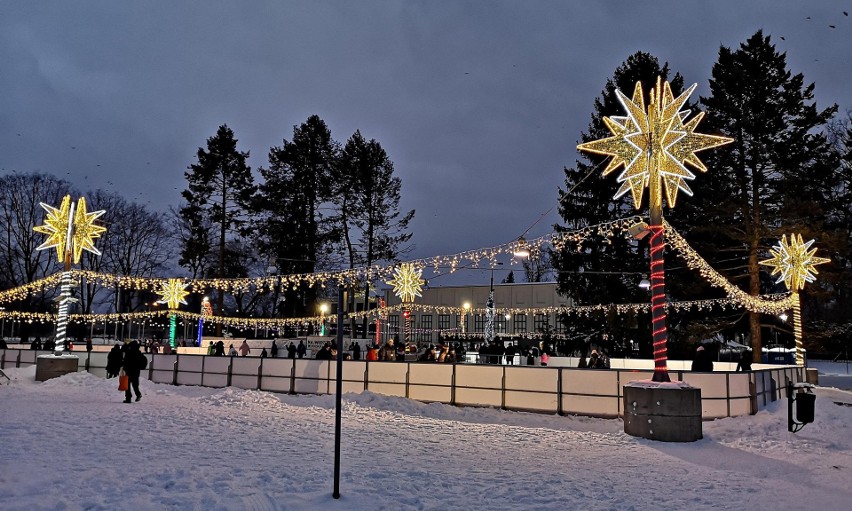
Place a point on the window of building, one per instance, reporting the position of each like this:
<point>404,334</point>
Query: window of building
<point>426,327</point>
<point>393,325</point>
<point>500,324</point>
<point>443,323</point>
<point>520,324</point>
<point>479,323</point>
<point>540,322</point>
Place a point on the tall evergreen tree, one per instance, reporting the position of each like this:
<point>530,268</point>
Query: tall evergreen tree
<point>605,270</point>
<point>773,179</point>
<point>291,199</point>
<point>367,197</point>
<point>220,188</point>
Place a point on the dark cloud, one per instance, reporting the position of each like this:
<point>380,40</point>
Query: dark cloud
<point>479,104</point>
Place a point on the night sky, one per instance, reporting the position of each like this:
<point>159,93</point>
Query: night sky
<point>479,104</point>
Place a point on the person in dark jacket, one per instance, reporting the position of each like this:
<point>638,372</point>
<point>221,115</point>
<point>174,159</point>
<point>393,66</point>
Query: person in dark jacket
<point>134,363</point>
<point>274,350</point>
<point>220,349</point>
<point>356,351</point>
<point>302,349</point>
<point>263,353</point>
<point>115,358</point>
<point>291,350</point>
<point>702,362</point>
<point>745,360</point>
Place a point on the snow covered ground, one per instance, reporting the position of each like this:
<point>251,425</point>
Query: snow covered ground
<point>70,443</point>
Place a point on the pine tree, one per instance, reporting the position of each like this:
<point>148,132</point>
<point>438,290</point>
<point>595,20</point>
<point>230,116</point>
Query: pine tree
<point>290,201</point>
<point>220,188</point>
<point>773,179</point>
<point>367,196</point>
<point>604,270</point>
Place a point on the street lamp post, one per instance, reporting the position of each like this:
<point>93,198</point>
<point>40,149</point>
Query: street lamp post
<point>466,308</point>
<point>323,311</point>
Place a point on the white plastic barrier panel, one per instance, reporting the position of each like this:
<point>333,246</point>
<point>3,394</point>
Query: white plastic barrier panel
<point>216,371</point>
<point>276,374</point>
<point>190,370</point>
<point>311,376</point>
<point>479,385</point>
<point>714,393</point>
<point>430,382</point>
<point>97,363</point>
<point>387,378</point>
<point>28,357</point>
<point>535,389</point>
<point>244,372</point>
<point>740,393</point>
<point>162,368</point>
<point>353,376</point>
<point>590,392</point>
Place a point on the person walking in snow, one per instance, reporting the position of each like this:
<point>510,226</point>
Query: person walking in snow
<point>115,358</point>
<point>134,363</point>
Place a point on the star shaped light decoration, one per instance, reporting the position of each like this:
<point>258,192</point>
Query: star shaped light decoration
<point>173,293</point>
<point>77,233</point>
<point>407,282</point>
<point>794,262</point>
<point>655,140</point>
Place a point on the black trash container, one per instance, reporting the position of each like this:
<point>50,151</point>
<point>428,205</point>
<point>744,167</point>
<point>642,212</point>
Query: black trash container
<point>805,404</point>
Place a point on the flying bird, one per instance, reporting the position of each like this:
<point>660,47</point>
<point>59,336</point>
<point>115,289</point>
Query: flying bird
<point>831,26</point>
<point>807,17</point>
<point>782,38</point>
<point>845,13</point>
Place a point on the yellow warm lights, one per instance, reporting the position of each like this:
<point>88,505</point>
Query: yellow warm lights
<point>794,262</point>
<point>407,282</point>
<point>70,230</point>
<point>653,145</point>
<point>173,293</point>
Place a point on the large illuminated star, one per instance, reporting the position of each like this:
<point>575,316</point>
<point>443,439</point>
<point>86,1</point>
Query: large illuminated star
<point>173,293</point>
<point>64,232</point>
<point>794,262</point>
<point>407,282</point>
<point>654,145</point>
<point>56,227</point>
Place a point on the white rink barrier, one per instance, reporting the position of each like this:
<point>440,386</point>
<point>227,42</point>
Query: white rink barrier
<point>552,389</point>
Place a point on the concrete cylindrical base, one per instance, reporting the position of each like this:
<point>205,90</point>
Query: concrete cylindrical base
<point>49,366</point>
<point>812,376</point>
<point>664,413</point>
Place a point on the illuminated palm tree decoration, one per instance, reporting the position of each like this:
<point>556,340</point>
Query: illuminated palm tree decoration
<point>654,145</point>
<point>794,263</point>
<point>70,230</point>
<point>173,293</point>
<point>407,283</point>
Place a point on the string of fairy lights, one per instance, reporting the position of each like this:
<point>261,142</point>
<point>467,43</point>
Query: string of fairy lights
<point>693,260</point>
<point>573,239</point>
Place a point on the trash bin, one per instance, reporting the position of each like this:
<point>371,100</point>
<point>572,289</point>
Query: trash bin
<point>805,404</point>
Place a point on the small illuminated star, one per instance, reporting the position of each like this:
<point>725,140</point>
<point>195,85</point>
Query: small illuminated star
<point>173,293</point>
<point>64,232</point>
<point>654,145</point>
<point>794,262</point>
<point>407,282</point>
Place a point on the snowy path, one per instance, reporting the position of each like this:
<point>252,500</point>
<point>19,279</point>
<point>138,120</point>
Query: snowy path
<point>71,444</point>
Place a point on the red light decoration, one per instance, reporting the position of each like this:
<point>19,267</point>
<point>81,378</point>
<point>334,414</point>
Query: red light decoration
<point>658,305</point>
